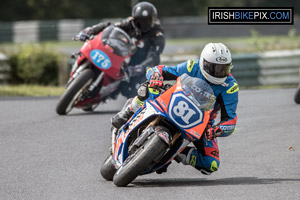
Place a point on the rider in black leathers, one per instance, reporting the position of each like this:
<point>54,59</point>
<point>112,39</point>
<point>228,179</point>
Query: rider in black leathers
<point>145,28</point>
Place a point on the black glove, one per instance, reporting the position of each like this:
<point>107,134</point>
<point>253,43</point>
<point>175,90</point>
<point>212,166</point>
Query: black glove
<point>85,34</point>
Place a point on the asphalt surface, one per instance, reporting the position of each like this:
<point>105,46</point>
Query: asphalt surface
<point>46,156</point>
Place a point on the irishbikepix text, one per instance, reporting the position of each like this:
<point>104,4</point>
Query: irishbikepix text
<point>250,15</point>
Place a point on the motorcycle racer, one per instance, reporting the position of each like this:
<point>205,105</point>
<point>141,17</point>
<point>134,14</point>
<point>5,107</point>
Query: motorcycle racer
<point>144,26</point>
<point>213,66</point>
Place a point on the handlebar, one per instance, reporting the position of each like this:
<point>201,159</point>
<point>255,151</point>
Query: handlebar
<point>76,38</point>
<point>167,85</point>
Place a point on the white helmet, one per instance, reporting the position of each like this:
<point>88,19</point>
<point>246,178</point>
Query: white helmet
<point>215,62</point>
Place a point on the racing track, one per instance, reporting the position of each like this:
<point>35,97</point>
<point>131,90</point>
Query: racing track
<point>46,156</point>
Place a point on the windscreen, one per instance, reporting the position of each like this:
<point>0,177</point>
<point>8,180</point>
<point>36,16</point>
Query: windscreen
<point>119,41</point>
<point>198,91</point>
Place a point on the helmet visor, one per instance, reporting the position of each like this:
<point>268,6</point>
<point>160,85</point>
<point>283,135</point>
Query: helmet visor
<point>144,24</point>
<point>216,70</point>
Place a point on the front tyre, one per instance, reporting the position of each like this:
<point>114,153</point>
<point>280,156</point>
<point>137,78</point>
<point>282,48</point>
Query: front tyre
<point>297,95</point>
<point>152,150</point>
<point>107,169</point>
<point>74,91</point>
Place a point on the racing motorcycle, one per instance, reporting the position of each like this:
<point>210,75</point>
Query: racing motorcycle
<point>159,130</point>
<point>97,71</point>
<point>297,94</point>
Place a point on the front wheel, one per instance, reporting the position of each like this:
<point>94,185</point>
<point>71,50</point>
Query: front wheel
<point>145,156</point>
<point>297,95</point>
<point>74,91</point>
<point>107,169</point>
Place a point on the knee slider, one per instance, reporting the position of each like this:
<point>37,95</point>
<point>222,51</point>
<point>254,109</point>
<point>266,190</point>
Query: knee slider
<point>214,166</point>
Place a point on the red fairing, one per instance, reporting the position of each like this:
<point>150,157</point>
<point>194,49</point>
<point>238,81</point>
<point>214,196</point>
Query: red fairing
<point>114,71</point>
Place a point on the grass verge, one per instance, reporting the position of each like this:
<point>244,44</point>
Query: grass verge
<point>30,90</point>
<point>36,90</point>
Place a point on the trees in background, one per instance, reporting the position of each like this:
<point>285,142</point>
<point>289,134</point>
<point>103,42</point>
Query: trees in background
<point>14,10</point>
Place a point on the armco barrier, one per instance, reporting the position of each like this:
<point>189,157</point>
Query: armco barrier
<point>279,67</point>
<point>246,69</point>
<point>6,32</point>
<point>4,69</point>
<point>48,30</point>
<point>245,66</point>
<point>269,68</point>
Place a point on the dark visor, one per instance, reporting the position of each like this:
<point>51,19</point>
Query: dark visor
<point>144,24</point>
<point>216,70</point>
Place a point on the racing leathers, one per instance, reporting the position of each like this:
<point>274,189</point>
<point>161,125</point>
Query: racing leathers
<point>149,47</point>
<point>205,157</point>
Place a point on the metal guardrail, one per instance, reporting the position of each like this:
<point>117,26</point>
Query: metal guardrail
<point>4,69</point>
<point>269,68</point>
<point>245,66</point>
<point>279,67</point>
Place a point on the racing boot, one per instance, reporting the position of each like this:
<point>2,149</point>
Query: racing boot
<point>121,117</point>
<point>184,156</point>
<point>130,107</point>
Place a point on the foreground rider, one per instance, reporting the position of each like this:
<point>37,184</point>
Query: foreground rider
<point>214,67</point>
<point>144,26</point>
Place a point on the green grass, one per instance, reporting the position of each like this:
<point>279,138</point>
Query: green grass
<point>30,90</point>
<point>36,90</point>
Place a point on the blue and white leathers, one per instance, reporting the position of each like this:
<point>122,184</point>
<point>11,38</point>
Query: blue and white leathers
<point>206,157</point>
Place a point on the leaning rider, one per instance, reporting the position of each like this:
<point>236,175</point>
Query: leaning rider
<point>214,67</point>
<point>146,29</point>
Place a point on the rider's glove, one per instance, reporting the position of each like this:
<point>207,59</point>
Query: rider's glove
<point>136,70</point>
<point>85,34</point>
<point>213,132</point>
<point>156,80</point>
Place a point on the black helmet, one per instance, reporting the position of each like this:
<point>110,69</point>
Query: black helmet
<point>144,15</point>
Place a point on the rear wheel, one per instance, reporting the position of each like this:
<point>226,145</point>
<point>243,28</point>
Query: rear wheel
<point>74,91</point>
<point>145,156</point>
<point>297,95</point>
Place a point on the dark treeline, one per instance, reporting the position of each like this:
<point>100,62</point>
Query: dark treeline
<point>13,10</point>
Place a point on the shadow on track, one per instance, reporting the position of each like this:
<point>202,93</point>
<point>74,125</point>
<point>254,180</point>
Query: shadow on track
<point>204,182</point>
<point>81,113</point>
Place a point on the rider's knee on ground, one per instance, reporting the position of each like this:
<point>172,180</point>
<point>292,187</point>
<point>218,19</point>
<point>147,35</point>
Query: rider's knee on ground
<point>209,167</point>
<point>205,164</point>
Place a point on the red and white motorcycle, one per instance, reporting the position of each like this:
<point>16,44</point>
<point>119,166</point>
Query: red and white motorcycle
<point>98,70</point>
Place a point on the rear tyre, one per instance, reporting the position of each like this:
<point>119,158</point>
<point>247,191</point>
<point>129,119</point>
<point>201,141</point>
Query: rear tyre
<point>74,91</point>
<point>107,169</point>
<point>297,95</point>
<point>145,156</point>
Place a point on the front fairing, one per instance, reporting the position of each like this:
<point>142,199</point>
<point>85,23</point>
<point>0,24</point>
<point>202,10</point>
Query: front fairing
<point>103,58</point>
<point>146,113</point>
<point>184,112</point>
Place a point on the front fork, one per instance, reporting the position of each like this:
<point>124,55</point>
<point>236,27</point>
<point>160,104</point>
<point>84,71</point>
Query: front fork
<point>78,69</point>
